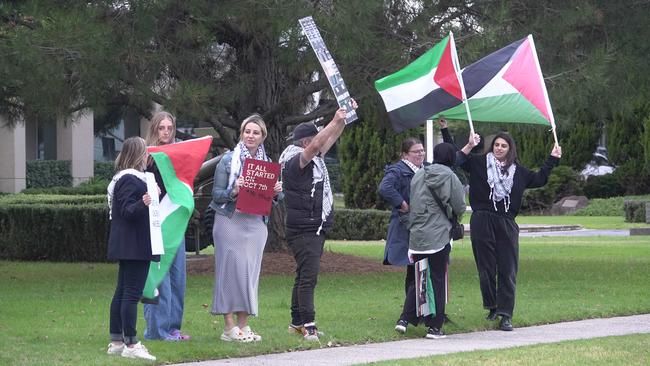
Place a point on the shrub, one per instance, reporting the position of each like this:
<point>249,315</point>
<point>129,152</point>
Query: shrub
<point>41,228</point>
<point>612,206</point>
<point>104,170</point>
<point>359,225</point>
<point>562,182</point>
<point>603,186</point>
<point>48,173</point>
<point>635,211</point>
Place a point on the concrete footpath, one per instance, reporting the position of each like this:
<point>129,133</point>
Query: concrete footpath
<point>485,340</point>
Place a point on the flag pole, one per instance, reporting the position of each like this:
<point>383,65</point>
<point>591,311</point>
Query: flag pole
<point>546,100</point>
<point>459,74</point>
<point>429,141</point>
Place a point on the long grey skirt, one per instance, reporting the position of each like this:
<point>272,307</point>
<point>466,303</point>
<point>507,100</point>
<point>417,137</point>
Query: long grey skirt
<point>238,247</point>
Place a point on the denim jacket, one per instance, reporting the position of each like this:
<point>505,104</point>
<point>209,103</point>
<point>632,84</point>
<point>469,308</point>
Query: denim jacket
<point>222,201</point>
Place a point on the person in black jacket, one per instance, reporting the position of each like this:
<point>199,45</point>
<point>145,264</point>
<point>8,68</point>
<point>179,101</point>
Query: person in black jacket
<point>496,187</point>
<point>129,243</point>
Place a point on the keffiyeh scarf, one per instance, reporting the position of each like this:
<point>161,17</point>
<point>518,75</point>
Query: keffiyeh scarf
<point>500,182</point>
<point>111,186</point>
<point>239,155</point>
<point>411,165</point>
<point>319,170</point>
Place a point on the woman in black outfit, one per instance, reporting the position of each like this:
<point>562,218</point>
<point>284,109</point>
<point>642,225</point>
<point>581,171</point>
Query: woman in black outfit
<point>496,187</point>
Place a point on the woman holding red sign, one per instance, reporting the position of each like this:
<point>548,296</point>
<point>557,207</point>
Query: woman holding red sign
<point>239,238</point>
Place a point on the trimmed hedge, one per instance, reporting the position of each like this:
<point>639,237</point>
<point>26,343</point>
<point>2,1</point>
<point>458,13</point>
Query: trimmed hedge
<point>48,173</point>
<point>635,211</point>
<point>71,231</point>
<point>67,228</point>
<point>359,225</point>
<point>94,186</point>
<point>104,170</point>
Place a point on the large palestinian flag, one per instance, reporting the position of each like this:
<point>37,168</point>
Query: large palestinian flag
<point>506,86</point>
<point>423,88</point>
<point>178,165</point>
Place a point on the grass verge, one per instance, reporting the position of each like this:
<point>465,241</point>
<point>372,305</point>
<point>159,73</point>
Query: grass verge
<point>57,313</point>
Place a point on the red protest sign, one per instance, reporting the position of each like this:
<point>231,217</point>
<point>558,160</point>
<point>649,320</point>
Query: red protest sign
<point>256,194</point>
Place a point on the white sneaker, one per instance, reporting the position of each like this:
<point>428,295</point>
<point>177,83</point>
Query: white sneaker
<point>115,350</point>
<point>248,332</point>
<point>235,335</point>
<point>137,351</point>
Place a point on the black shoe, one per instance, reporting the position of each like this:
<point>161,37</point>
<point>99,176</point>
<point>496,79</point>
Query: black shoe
<point>492,316</point>
<point>434,333</point>
<point>401,326</point>
<point>505,324</point>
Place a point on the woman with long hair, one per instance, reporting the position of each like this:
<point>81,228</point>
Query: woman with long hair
<point>496,186</point>
<point>164,319</point>
<point>239,238</point>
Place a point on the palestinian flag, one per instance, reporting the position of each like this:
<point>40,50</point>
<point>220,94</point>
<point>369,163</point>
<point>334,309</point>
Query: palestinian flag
<point>506,86</point>
<point>423,88</point>
<point>178,165</point>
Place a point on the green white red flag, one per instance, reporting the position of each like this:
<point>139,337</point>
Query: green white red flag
<point>506,86</point>
<point>426,86</point>
<point>178,164</point>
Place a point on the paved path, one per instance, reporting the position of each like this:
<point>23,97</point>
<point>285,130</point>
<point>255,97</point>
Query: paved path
<point>578,232</point>
<point>485,340</point>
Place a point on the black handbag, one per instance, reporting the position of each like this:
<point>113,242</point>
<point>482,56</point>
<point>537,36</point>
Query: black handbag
<point>457,230</point>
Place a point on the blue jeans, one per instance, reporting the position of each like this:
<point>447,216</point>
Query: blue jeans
<point>167,316</point>
<point>131,278</point>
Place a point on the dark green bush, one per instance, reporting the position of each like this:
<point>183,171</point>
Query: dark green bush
<point>334,170</point>
<point>104,170</point>
<point>48,173</point>
<point>635,211</point>
<point>71,231</point>
<point>562,182</point>
<point>94,186</point>
<point>603,186</point>
<point>359,225</point>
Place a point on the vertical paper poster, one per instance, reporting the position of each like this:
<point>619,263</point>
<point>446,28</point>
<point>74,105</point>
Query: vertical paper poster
<point>424,298</point>
<point>256,194</point>
<point>154,216</point>
<point>329,67</point>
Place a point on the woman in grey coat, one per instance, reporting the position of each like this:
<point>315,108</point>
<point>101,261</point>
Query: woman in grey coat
<point>429,228</point>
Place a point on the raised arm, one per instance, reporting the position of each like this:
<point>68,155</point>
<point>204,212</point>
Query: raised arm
<point>323,141</point>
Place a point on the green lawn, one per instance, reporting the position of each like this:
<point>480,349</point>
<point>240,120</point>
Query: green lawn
<point>57,314</point>
<point>631,350</point>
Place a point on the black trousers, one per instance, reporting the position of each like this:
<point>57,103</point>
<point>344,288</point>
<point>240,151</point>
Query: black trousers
<point>131,279</point>
<point>495,243</point>
<point>438,269</point>
<point>307,249</point>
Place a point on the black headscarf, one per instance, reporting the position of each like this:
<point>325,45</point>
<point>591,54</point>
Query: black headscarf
<point>445,154</point>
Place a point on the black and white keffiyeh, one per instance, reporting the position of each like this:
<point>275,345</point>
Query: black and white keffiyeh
<point>239,154</point>
<point>319,173</point>
<point>500,182</point>
<point>411,165</point>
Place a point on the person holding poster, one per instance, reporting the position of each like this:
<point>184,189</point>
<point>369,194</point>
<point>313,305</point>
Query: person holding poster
<point>496,187</point>
<point>129,243</point>
<point>309,203</point>
<point>165,318</point>
<point>429,231</point>
<point>239,238</point>
<point>395,188</point>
